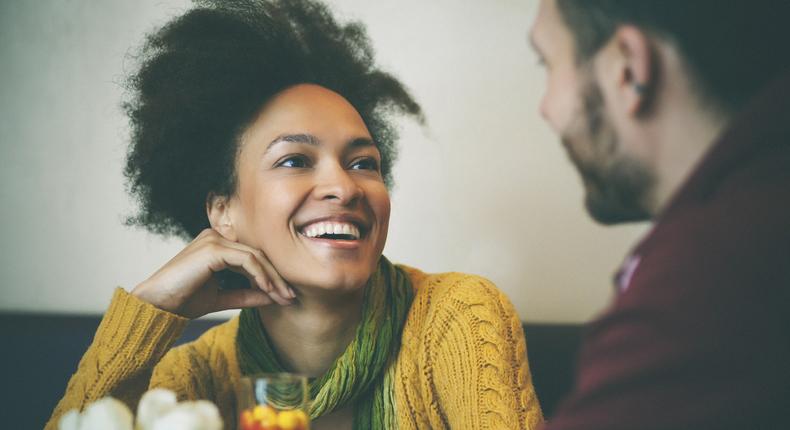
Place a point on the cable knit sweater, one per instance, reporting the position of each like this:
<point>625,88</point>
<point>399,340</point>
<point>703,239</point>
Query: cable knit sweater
<point>462,363</point>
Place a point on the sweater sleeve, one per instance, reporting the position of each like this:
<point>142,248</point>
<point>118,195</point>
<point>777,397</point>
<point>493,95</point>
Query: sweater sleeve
<point>476,360</point>
<point>204,369</point>
<point>131,339</point>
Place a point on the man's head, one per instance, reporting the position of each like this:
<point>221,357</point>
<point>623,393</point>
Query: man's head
<point>637,90</point>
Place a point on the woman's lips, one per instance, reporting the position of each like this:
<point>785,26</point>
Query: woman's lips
<point>333,233</point>
<point>334,243</point>
<point>334,229</point>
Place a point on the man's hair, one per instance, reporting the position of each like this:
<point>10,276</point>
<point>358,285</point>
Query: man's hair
<point>732,48</point>
<point>203,79</point>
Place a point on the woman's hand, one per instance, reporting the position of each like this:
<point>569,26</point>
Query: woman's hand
<point>185,285</point>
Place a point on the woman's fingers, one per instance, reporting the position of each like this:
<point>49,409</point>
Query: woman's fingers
<point>188,284</point>
<point>276,286</point>
<point>263,286</point>
<point>245,263</point>
<point>239,299</point>
<point>187,280</point>
<point>281,287</point>
<point>248,262</point>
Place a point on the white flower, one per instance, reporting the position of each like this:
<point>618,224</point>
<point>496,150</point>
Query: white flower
<point>198,415</point>
<point>107,414</point>
<point>154,404</point>
<point>70,420</point>
<point>158,410</point>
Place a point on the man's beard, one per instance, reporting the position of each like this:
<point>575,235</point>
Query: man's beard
<point>616,185</point>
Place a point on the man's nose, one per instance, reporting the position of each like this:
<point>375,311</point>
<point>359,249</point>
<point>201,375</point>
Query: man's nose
<point>544,108</point>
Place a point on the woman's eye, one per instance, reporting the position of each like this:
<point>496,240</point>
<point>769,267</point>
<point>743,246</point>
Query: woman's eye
<point>365,164</point>
<point>295,161</point>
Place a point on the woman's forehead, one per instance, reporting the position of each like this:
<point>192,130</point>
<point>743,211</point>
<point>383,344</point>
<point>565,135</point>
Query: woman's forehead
<point>311,110</point>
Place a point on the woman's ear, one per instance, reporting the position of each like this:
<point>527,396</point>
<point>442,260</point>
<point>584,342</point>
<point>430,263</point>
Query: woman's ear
<point>218,209</point>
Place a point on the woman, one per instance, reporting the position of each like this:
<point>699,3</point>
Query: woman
<point>260,131</point>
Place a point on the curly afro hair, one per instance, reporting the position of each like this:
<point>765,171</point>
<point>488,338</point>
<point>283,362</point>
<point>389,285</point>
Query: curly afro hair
<point>205,75</point>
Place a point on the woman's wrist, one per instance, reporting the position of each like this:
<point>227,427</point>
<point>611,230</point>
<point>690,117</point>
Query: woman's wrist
<point>154,296</point>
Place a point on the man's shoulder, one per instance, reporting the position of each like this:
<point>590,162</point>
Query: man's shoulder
<point>721,248</point>
<point>741,224</point>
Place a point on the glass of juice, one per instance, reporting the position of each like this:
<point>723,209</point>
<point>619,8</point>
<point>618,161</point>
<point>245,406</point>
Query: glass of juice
<point>274,401</point>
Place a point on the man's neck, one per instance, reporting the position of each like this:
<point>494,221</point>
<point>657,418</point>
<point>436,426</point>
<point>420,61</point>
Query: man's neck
<point>310,335</point>
<point>682,134</point>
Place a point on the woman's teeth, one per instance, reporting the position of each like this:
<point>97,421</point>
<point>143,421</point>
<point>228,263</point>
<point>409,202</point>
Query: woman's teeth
<point>332,230</point>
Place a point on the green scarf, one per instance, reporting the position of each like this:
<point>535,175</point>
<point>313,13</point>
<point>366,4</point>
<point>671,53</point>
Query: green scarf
<point>364,373</point>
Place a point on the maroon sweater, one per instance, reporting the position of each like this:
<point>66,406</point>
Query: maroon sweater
<point>699,334</point>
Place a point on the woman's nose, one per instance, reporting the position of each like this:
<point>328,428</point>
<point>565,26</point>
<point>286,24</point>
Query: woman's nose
<point>336,183</point>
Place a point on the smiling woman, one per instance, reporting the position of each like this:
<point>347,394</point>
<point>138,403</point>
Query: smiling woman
<point>308,164</point>
<point>261,134</point>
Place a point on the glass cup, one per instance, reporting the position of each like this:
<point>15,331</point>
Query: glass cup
<point>274,401</point>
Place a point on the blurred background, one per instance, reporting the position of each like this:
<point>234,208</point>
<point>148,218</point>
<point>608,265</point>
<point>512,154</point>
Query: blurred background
<point>483,188</point>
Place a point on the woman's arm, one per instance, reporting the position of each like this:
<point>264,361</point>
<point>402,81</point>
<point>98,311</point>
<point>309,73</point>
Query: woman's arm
<point>140,326</point>
<point>131,339</point>
<point>476,359</point>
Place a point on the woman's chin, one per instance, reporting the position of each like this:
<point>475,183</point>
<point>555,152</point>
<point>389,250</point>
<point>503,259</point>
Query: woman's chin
<point>316,277</point>
<point>334,281</point>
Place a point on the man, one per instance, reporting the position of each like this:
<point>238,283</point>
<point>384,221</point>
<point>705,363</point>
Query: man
<point>678,111</point>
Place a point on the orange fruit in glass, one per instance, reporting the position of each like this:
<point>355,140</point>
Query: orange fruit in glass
<point>289,420</point>
<point>264,414</point>
<point>246,419</point>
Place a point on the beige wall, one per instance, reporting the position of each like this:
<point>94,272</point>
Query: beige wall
<point>485,188</point>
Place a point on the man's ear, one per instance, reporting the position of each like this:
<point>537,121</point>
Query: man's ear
<point>635,69</point>
<point>218,209</point>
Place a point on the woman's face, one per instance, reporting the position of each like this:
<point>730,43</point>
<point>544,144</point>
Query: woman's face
<point>310,191</point>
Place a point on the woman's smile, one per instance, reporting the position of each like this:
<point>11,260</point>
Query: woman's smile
<point>342,234</point>
<point>340,231</point>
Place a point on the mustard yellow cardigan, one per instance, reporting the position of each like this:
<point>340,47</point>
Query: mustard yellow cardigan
<point>462,363</point>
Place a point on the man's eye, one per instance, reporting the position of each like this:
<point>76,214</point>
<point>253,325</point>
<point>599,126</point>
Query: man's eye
<point>294,161</point>
<point>365,164</point>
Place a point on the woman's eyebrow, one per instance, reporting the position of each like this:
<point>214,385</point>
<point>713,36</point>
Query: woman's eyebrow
<point>307,139</point>
<point>360,142</point>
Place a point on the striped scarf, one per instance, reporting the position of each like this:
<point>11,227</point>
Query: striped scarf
<point>363,375</point>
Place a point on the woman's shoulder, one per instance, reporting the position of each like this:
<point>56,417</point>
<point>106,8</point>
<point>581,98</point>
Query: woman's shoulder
<point>202,368</point>
<point>461,326</point>
<point>454,286</point>
<point>214,348</point>
<point>463,295</point>
<point>218,338</point>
